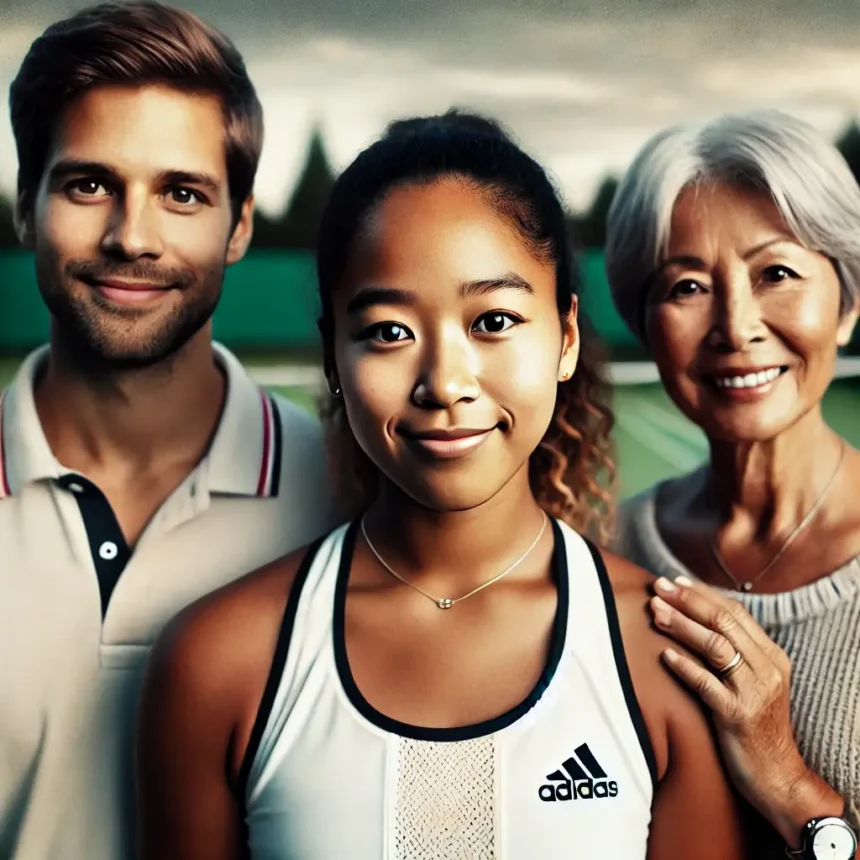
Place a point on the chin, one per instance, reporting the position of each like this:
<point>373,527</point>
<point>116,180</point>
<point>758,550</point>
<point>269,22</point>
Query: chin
<point>452,497</point>
<point>137,345</point>
<point>745,430</point>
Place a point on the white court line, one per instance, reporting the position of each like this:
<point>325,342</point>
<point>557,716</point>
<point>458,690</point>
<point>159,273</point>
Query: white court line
<point>623,373</point>
<point>287,376</point>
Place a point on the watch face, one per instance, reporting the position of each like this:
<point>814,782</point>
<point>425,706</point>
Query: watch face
<point>833,842</point>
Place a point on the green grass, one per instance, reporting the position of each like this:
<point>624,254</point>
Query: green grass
<point>653,440</point>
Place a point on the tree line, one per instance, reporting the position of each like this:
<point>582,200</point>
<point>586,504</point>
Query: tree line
<point>296,227</point>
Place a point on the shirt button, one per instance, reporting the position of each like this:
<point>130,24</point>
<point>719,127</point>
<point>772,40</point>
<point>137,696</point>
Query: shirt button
<point>108,550</point>
<point>76,488</point>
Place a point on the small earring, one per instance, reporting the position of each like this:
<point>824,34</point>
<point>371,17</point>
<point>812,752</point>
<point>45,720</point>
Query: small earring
<point>334,390</point>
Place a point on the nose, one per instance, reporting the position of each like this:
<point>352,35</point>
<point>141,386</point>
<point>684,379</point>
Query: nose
<point>738,318</point>
<point>133,230</point>
<point>449,373</point>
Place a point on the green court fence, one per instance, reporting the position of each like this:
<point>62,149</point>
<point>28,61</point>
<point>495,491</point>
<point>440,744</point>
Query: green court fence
<point>269,304</point>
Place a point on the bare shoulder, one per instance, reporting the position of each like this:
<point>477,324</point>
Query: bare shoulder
<point>217,653</point>
<point>671,713</point>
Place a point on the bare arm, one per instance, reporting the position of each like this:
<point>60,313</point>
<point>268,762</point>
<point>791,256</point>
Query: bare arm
<point>186,808</point>
<point>200,700</point>
<point>695,813</point>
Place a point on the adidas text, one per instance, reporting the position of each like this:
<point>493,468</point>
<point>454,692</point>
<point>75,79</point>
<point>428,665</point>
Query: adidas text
<point>580,777</point>
<point>567,790</point>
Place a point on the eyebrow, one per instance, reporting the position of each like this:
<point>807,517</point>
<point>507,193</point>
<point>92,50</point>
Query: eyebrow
<point>184,177</point>
<point>692,262</point>
<point>75,166</point>
<point>70,166</point>
<point>370,296</point>
<point>508,281</point>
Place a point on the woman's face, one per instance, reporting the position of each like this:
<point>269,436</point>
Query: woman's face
<point>744,321</point>
<point>448,345</point>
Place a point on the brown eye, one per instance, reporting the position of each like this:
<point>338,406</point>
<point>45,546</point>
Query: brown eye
<point>495,323</point>
<point>184,196</point>
<point>389,332</point>
<point>684,289</point>
<point>87,187</point>
<point>778,274</point>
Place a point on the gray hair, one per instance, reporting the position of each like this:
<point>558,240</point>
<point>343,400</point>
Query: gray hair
<point>807,177</point>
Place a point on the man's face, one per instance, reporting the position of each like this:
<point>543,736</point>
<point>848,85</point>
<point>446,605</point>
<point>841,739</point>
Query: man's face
<point>132,225</point>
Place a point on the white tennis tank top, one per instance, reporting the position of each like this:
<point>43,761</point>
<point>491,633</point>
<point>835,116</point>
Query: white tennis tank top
<point>569,772</point>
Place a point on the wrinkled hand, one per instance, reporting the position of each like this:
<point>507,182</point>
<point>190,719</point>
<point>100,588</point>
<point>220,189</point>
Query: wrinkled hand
<point>749,701</point>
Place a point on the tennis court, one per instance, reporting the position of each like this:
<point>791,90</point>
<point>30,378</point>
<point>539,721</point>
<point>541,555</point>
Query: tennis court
<point>653,440</point>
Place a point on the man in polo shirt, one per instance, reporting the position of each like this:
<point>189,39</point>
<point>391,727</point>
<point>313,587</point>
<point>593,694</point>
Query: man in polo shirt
<point>140,467</point>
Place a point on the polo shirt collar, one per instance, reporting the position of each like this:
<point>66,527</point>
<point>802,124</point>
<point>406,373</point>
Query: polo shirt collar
<point>25,455</point>
<point>244,458</point>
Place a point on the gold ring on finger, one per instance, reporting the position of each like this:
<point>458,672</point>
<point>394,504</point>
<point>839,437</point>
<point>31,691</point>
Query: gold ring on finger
<point>731,665</point>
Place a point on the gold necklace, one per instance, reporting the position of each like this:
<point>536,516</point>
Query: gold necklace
<point>807,519</point>
<point>448,602</point>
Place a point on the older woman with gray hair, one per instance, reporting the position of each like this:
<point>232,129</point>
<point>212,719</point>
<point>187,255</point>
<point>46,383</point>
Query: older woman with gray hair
<point>734,253</point>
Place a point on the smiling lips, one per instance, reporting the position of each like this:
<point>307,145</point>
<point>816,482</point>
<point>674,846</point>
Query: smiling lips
<point>129,292</point>
<point>447,444</point>
<point>747,382</point>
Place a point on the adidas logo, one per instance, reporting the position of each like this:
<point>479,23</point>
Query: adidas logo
<point>580,779</point>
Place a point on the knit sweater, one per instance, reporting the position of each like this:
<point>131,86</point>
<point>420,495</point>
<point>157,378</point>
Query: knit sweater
<point>817,625</point>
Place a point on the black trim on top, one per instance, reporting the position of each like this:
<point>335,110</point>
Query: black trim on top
<point>104,534</point>
<point>277,447</point>
<point>624,677</point>
<point>279,661</point>
<point>458,733</point>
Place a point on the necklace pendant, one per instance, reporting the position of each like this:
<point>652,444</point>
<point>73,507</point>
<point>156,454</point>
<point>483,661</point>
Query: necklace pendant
<point>444,603</point>
<point>747,586</point>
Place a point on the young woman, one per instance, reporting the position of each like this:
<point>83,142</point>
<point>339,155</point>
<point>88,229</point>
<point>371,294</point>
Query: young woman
<point>456,673</point>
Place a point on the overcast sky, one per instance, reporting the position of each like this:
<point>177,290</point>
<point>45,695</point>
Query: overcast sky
<point>581,83</point>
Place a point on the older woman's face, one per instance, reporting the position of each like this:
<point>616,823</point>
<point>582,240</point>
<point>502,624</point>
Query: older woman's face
<point>743,320</point>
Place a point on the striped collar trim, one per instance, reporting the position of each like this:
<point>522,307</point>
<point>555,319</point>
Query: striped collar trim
<point>246,453</point>
<point>4,474</point>
<point>269,481</point>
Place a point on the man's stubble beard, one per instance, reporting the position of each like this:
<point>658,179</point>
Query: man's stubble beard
<point>111,340</point>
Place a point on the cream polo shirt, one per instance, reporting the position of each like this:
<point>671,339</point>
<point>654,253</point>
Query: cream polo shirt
<point>79,610</point>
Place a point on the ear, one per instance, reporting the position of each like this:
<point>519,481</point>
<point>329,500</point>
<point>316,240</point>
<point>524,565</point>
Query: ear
<point>846,325</point>
<point>570,343</point>
<point>22,217</point>
<point>242,233</point>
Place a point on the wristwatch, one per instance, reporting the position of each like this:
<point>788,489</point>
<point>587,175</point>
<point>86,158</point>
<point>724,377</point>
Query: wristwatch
<point>826,839</point>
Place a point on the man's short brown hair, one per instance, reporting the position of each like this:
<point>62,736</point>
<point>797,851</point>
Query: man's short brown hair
<point>133,44</point>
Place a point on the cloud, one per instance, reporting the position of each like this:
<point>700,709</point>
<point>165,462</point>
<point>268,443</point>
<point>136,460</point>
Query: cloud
<point>581,83</point>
